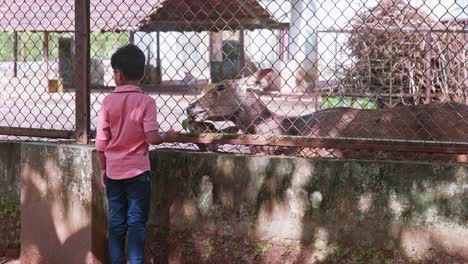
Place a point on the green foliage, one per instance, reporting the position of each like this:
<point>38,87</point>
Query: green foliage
<point>32,49</point>
<point>6,51</point>
<point>340,101</point>
<point>102,45</point>
<point>186,122</point>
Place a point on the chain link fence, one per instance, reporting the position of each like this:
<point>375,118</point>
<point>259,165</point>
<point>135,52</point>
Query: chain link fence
<point>317,78</point>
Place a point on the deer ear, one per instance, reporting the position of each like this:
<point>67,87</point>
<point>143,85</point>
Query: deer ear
<point>251,80</point>
<point>239,84</point>
<point>246,88</point>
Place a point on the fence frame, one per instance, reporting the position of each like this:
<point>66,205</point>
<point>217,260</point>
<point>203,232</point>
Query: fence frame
<point>329,143</point>
<point>83,133</point>
<point>82,74</point>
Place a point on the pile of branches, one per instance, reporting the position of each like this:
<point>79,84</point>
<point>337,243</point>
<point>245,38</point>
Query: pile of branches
<point>402,56</point>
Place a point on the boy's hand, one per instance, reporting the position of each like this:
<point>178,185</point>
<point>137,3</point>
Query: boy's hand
<point>103,179</point>
<point>171,135</point>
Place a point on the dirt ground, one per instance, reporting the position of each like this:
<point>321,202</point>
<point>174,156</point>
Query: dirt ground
<point>196,249</point>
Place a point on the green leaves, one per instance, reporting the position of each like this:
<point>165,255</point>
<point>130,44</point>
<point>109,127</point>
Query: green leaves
<point>186,122</point>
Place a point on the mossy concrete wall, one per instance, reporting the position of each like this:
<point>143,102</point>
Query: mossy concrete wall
<point>9,198</point>
<point>215,208</point>
<point>324,205</point>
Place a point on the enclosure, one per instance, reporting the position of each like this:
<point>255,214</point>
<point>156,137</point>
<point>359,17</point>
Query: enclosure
<point>322,80</point>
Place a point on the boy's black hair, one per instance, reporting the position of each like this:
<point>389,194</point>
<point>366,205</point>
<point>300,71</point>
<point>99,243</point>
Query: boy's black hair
<point>130,60</point>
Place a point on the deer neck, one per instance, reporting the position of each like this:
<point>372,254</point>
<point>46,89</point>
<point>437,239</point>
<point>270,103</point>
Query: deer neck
<point>253,117</point>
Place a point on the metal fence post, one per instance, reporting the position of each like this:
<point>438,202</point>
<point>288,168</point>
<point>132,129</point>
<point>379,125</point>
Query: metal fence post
<point>82,76</point>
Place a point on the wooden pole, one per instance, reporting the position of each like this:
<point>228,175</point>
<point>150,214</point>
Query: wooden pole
<point>158,58</point>
<point>427,63</point>
<point>46,52</point>
<point>22,46</point>
<point>241,53</point>
<point>216,54</point>
<point>283,44</point>
<point>15,54</point>
<point>216,46</point>
<point>131,37</point>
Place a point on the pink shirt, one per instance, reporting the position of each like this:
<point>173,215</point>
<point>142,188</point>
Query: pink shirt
<point>125,116</point>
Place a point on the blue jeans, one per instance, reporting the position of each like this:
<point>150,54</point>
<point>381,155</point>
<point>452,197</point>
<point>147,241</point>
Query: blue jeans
<point>128,212</point>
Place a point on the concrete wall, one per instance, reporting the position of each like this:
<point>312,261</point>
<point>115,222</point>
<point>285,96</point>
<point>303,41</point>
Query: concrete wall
<point>215,208</point>
<point>324,206</point>
<point>9,199</point>
<point>62,207</point>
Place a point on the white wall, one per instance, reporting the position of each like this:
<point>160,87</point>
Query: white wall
<point>180,53</point>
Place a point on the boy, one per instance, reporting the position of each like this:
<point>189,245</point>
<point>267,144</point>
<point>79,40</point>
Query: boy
<point>127,125</point>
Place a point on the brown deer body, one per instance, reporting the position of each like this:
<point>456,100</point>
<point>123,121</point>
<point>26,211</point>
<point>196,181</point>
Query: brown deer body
<point>231,100</point>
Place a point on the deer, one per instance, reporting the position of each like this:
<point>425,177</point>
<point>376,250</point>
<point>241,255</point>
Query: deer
<point>237,101</point>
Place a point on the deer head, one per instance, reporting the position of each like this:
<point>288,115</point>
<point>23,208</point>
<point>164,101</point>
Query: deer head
<point>221,101</point>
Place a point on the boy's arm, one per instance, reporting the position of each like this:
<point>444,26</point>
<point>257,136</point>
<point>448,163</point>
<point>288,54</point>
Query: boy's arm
<point>102,139</point>
<point>154,138</point>
<point>102,162</point>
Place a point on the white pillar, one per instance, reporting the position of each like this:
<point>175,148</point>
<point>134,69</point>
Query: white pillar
<point>301,48</point>
<point>146,42</point>
<point>302,37</point>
